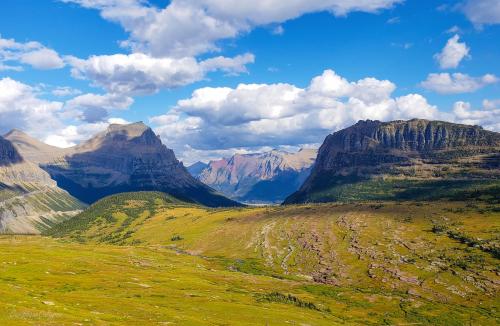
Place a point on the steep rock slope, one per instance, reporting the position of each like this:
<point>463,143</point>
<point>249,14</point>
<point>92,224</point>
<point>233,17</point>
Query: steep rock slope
<point>30,200</point>
<point>261,177</point>
<point>128,158</point>
<point>416,159</point>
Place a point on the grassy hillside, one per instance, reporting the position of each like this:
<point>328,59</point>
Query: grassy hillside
<point>352,189</point>
<point>373,263</point>
<point>114,217</point>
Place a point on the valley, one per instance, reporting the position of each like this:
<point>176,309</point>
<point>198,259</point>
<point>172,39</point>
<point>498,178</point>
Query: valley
<point>370,263</point>
<point>397,223</point>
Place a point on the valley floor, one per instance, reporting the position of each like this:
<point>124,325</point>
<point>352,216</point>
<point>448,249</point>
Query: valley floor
<point>146,261</point>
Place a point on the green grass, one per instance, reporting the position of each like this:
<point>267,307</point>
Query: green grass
<point>399,189</point>
<point>148,258</point>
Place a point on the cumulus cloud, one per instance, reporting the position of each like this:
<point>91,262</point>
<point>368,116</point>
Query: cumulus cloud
<point>482,12</point>
<point>42,59</point>
<point>31,53</point>
<point>488,116</point>
<point>51,121</point>
<point>188,28</point>
<point>273,115</point>
<point>445,83</point>
<point>452,53</point>
<point>20,107</point>
<point>139,73</point>
<point>72,135</point>
<point>94,108</point>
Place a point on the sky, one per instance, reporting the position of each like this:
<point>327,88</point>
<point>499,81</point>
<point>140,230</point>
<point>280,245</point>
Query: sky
<point>218,77</point>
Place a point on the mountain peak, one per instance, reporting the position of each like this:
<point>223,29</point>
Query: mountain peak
<point>126,158</point>
<point>33,149</point>
<point>17,133</point>
<point>132,130</point>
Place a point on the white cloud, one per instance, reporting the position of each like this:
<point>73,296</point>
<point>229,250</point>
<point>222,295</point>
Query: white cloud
<point>63,91</point>
<point>491,104</point>
<point>453,30</point>
<point>445,83</point>
<point>188,28</point>
<point>273,115</point>
<point>452,53</point>
<point>30,53</point>
<point>236,65</point>
<point>394,20</point>
<point>139,73</point>
<point>278,30</point>
<point>482,12</point>
<point>94,108</point>
<point>42,59</point>
<point>21,108</point>
<point>74,134</point>
<point>488,116</point>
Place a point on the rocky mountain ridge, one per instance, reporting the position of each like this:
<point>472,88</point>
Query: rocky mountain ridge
<point>393,157</point>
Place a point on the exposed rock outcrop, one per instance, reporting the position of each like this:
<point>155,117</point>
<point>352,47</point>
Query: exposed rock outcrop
<point>30,200</point>
<point>128,158</point>
<point>401,159</point>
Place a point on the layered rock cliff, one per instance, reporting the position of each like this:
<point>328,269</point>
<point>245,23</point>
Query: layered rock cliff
<point>402,160</point>
<point>30,200</point>
<point>128,158</point>
<point>259,178</point>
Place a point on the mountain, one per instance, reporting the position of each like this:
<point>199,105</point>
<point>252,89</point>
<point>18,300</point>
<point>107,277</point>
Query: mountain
<point>196,168</point>
<point>259,178</point>
<point>127,158</point>
<point>416,159</point>
<point>34,150</point>
<point>30,200</point>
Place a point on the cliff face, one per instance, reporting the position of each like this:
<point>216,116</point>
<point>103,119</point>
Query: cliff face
<point>29,199</point>
<point>128,158</point>
<point>262,177</point>
<point>401,152</point>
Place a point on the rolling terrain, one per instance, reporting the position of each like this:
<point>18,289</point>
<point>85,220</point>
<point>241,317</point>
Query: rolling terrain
<point>371,263</point>
<point>405,160</point>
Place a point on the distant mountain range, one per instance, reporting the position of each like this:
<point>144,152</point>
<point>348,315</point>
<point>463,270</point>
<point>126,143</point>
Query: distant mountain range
<point>405,160</point>
<point>257,178</point>
<point>400,160</point>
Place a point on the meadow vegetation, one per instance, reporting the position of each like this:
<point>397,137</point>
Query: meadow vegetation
<point>147,257</point>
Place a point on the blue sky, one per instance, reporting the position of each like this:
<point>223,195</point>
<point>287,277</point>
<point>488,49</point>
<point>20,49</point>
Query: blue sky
<point>280,49</point>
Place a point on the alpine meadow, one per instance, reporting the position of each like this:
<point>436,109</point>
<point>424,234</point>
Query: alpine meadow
<point>222,162</point>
